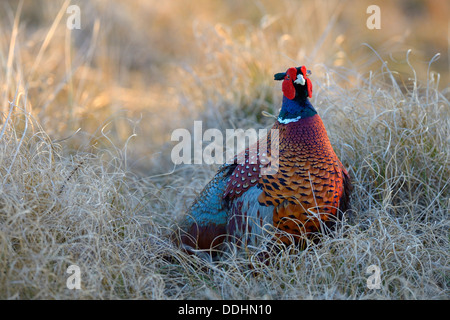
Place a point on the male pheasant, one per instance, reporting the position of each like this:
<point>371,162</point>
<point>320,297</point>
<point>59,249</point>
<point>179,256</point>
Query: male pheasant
<point>306,194</point>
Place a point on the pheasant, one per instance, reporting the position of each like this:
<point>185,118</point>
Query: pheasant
<point>304,196</point>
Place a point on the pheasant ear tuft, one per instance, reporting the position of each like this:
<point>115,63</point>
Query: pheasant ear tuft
<point>279,76</point>
<point>304,71</point>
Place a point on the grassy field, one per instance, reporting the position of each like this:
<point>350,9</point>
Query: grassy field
<point>87,116</point>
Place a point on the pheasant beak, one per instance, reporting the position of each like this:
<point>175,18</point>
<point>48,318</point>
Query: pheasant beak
<point>300,80</point>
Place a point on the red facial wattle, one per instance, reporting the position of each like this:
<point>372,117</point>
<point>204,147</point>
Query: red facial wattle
<point>308,82</point>
<point>309,87</point>
<point>288,83</point>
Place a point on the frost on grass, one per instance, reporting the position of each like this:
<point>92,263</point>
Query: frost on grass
<point>85,208</point>
<point>395,143</point>
<point>76,201</point>
<point>82,209</point>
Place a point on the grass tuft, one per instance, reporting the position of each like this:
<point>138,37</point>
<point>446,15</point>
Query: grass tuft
<point>85,168</point>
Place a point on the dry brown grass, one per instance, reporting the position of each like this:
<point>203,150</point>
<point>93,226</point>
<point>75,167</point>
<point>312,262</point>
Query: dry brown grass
<point>106,196</point>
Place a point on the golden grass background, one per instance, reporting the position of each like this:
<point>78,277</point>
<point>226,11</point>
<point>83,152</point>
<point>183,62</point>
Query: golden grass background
<point>87,117</point>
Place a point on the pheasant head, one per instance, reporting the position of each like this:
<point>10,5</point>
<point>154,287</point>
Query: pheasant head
<point>296,84</point>
<point>297,88</point>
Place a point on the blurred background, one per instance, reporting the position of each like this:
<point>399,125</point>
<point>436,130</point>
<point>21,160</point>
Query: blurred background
<point>147,67</point>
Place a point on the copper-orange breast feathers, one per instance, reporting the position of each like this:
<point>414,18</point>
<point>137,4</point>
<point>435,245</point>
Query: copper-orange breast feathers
<point>309,186</point>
